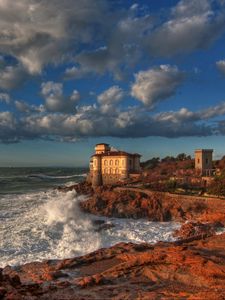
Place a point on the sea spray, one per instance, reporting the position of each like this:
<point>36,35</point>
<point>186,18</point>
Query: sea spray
<point>50,225</point>
<point>75,231</point>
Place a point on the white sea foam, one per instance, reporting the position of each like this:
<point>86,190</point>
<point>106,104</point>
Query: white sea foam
<point>44,176</point>
<point>44,225</point>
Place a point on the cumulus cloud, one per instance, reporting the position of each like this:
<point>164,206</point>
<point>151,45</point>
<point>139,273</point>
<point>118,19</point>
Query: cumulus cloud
<point>185,115</point>
<point>25,107</point>
<point>193,25</point>
<point>122,47</point>
<point>157,84</point>
<point>221,66</point>
<point>11,77</point>
<point>74,73</point>
<point>39,32</point>
<point>89,119</point>
<point>99,40</point>
<point>93,39</point>
<point>5,98</point>
<point>55,101</point>
<point>109,99</point>
<point>112,95</point>
<point>75,97</point>
<point>8,127</point>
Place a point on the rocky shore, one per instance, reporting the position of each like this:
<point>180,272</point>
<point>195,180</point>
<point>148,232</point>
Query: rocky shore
<point>193,267</point>
<point>128,202</point>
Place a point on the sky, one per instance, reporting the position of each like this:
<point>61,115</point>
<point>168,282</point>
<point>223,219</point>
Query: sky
<point>145,76</point>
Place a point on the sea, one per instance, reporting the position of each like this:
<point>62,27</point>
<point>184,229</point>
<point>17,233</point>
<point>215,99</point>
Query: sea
<point>38,222</point>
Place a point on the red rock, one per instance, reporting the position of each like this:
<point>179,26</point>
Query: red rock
<point>190,268</point>
<point>192,229</point>
<point>193,269</point>
<point>156,206</point>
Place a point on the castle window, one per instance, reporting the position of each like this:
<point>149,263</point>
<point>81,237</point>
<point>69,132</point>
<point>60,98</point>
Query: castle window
<point>111,162</point>
<point>206,161</point>
<point>116,171</point>
<point>111,171</point>
<point>106,171</point>
<point>198,161</point>
<point>123,161</point>
<point>116,162</point>
<point>105,162</point>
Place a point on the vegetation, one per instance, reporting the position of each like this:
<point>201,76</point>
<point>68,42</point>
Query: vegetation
<point>217,187</point>
<point>177,175</point>
<point>156,162</point>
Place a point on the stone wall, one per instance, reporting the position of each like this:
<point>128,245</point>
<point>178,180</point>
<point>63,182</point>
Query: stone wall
<point>111,178</point>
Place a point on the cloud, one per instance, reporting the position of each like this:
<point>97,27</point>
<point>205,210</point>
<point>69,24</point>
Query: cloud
<point>8,128</point>
<point>55,101</point>
<point>109,99</point>
<point>98,39</point>
<point>12,77</point>
<point>157,84</point>
<point>185,115</point>
<point>74,73</point>
<point>75,97</point>
<point>37,33</point>
<point>25,107</point>
<point>88,122</point>
<point>193,25</point>
<point>221,66</point>
<point>112,95</point>
<point>5,98</point>
<point>122,48</point>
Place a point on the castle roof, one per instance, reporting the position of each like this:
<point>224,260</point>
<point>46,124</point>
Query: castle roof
<point>102,144</point>
<point>204,150</point>
<point>116,153</point>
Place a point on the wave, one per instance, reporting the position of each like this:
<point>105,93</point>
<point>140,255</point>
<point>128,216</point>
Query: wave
<point>44,176</point>
<point>44,225</point>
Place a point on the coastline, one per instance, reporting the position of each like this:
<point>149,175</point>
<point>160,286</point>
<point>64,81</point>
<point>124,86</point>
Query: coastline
<point>193,267</point>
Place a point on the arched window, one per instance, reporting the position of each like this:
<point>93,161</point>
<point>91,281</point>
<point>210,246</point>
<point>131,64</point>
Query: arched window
<point>123,162</point>
<point>111,162</point>
<point>105,162</point>
<point>111,171</point>
<point>106,171</point>
<point>116,162</point>
<point>117,171</point>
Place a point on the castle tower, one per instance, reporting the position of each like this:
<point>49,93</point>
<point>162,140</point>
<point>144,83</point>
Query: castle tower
<point>203,161</point>
<point>97,174</point>
<point>102,148</point>
<point>124,168</point>
<point>109,165</point>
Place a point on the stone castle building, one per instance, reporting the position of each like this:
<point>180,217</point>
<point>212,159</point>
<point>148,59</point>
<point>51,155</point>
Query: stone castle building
<point>203,161</point>
<point>108,165</point>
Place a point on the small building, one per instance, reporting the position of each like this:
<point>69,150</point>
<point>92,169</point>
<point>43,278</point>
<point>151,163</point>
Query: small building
<point>108,165</point>
<point>203,161</point>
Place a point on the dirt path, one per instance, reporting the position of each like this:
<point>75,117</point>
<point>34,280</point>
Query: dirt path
<point>167,194</point>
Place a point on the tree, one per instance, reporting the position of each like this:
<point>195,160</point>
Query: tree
<point>183,156</point>
<point>217,187</point>
<point>151,163</point>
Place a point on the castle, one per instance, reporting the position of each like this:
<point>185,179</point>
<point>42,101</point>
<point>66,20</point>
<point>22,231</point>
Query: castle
<point>203,161</point>
<point>108,165</point>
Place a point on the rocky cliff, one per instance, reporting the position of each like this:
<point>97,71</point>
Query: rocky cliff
<point>192,268</point>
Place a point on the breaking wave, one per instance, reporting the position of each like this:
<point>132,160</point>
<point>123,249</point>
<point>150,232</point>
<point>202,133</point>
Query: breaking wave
<point>43,225</point>
<point>43,176</point>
